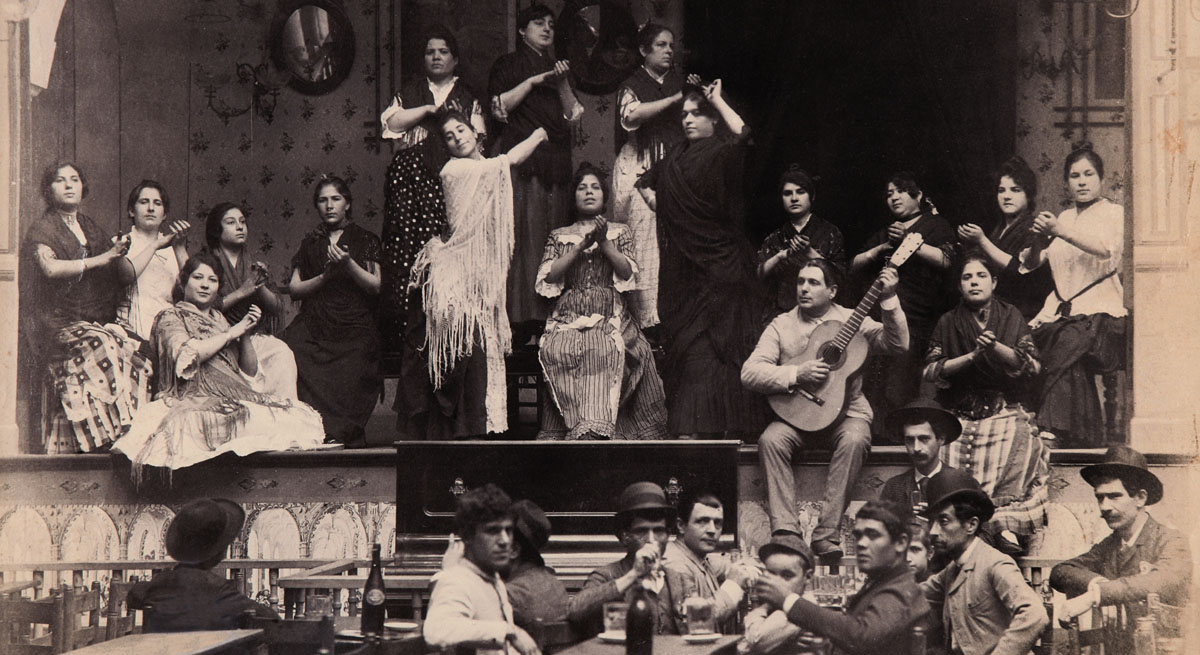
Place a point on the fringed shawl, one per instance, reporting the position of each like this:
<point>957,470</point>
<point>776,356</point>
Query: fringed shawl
<point>463,278</point>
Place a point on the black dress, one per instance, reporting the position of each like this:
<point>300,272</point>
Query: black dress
<point>823,236</point>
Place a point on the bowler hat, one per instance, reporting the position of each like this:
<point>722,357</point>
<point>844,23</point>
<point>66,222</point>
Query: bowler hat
<point>1122,462</point>
<point>203,529</point>
<point>945,424</point>
<point>788,542</point>
<point>952,484</point>
<point>532,527</point>
<point>641,496</point>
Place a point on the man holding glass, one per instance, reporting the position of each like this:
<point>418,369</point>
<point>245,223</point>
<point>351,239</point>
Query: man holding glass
<point>768,629</point>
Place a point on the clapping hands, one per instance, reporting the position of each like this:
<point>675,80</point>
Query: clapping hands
<point>970,233</point>
<point>337,257</point>
<point>251,319</point>
<point>173,232</point>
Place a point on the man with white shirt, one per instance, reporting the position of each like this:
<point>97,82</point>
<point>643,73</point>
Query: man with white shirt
<point>469,607</point>
<point>986,606</point>
<point>1140,557</point>
<point>769,370</point>
<point>924,427</point>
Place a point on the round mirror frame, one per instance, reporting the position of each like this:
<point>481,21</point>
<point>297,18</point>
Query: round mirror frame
<point>343,47</point>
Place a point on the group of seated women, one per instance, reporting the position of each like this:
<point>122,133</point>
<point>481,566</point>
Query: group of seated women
<point>117,321</point>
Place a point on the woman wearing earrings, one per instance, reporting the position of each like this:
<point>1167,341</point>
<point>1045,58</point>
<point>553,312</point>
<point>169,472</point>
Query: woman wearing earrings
<point>416,210</point>
<point>599,367</point>
<point>155,255</point>
<point>804,236</point>
<point>1081,328</point>
<point>335,275</point>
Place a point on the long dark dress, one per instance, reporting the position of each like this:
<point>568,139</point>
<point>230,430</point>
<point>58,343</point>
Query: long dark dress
<point>823,236</point>
<point>98,375</point>
<point>335,338</point>
<point>710,302</point>
<point>999,445</point>
<point>540,194</point>
<point>415,209</point>
<point>891,382</point>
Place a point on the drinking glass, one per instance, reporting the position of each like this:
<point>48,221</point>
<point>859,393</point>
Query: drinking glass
<point>614,616</point>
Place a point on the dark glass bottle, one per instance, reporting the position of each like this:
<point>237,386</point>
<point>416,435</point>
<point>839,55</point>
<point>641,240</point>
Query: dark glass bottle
<point>639,624</point>
<point>373,597</point>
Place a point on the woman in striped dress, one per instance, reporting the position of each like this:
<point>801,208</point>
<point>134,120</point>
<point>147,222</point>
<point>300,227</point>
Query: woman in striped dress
<point>599,367</point>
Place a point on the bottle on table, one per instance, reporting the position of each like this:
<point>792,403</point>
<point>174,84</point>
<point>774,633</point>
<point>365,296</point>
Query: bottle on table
<point>373,597</point>
<point>639,624</point>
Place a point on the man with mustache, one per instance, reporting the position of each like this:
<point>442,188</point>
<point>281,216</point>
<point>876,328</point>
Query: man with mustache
<point>1140,557</point>
<point>985,604</point>
<point>923,427</point>
<point>469,607</point>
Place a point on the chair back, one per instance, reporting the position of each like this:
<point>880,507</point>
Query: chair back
<point>293,636</point>
<point>552,636</point>
<point>86,602</point>
<point>19,618</point>
<point>119,618</point>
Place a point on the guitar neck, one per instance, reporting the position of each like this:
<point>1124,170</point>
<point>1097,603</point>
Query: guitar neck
<point>852,324</point>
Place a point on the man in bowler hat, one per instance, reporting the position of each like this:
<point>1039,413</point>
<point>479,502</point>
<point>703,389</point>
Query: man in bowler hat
<point>641,526</point>
<point>985,604</point>
<point>191,596</point>
<point>534,590</point>
<point>768,630</point>
<point>1140,557</point>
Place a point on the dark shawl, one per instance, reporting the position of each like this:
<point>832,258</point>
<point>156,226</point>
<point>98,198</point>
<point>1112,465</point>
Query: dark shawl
<point>662,131</point>
<point>1026,292</point>
<point>551,161</point>
<point>339,310</point>
<point>823,236</point>
<point>416,93</point>
<point>58,302</point>
<point>922,290</point>
<point>232,277</point>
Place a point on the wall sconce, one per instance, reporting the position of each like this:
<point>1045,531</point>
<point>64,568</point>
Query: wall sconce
<point>265,85</point>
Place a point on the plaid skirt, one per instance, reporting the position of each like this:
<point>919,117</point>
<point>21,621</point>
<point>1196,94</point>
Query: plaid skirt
<point>1006,455</point>
<point>95,389</point>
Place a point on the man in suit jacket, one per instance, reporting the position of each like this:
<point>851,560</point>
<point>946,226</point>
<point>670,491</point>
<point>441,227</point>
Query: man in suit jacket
<point>642,516</point>
<point>880,617</point>
<point>1141,556</point>
<point>985,603</point>
<point>923,427</point>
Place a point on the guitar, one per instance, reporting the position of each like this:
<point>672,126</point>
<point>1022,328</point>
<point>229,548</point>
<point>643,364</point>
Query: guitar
<point>810,408</point>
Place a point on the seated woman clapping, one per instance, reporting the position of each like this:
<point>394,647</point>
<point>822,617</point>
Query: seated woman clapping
<point>155,255</point>
<point>245,284</point>
<point>598,365</point>
<point>210,400</point>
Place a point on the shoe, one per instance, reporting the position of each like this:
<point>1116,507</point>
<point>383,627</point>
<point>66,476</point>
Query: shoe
<point>828,551</point>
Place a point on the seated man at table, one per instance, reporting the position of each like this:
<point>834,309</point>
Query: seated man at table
<point>768,630</point>
<point>641,525</point>
<point>693,553</point>
<point>191,596</point>
<point>877,619</point>
<point>469,607</point>
<point>536,593</point>
<point>985,604</point>
<point>1140,557</point>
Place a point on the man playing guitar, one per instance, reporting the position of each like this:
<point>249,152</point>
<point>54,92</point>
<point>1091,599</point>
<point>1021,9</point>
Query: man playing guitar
<point>770,370</point>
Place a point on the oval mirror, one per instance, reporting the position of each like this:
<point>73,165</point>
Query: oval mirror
<point>314,41</point>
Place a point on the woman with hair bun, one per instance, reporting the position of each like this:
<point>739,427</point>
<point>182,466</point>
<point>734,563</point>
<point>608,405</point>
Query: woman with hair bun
<point>803,237</point>
<point>1081,328</point>
<point>599,367</point>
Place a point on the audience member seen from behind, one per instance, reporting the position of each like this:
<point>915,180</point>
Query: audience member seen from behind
<point>70,292</point>
<point>1016,199</point>
<point>335,339</point>
<point>709,301</point>
<point>536,594</point>
<point>469,607</point>
<point>156,251</point>
<point>641,526</point>
<point>985,604</point>
<point>192,596</point>
<point>211,397</point>
<point>693,553</point>
<point>983,359</point>
<point>599,367</point>
<point>770,370</point>
<point>1140,557</point>
<point>877,619</point>
<point>768,629</point>
<point>1081,328</point>
<point>245,283</point>
<point>803,236</point>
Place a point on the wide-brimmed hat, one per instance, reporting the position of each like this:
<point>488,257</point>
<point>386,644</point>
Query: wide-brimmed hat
<point>951,484</point>
<point>532,527</point>
<point>788,542</point>
<point>1122,462</point>
<point>945,424</point>
<point>641,496</point>
<point>203,529</point>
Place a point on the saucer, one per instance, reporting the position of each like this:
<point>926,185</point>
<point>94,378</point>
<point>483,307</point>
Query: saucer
<point>702,638</point>
<point>612,637</point>
<point>400,626</point>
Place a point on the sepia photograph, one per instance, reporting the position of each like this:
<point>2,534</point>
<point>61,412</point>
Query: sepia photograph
<point>776,327</point>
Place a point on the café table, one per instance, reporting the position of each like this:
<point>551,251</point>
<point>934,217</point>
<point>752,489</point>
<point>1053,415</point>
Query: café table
<point>663,645</point>
<point>200,642</point>
<point>409,642</point>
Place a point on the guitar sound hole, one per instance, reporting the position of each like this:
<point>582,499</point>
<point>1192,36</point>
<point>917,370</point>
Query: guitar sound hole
<point>831,355</point>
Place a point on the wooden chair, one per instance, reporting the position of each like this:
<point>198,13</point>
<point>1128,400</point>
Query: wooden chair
<point>86,602</point>
<point>19,618</point>
<point>293,636</point>
<point>119,618</point>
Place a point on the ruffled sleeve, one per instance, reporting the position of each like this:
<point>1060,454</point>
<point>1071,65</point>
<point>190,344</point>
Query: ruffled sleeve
<point>554,249</point>
<point>396,106</point>
<point>627,103</point>
<point>625,246</point>
<point>173,344</point>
